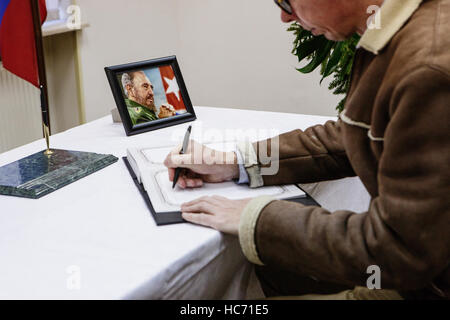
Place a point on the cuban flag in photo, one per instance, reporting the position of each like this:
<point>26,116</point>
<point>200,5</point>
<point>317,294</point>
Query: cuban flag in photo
<point>171,89</point>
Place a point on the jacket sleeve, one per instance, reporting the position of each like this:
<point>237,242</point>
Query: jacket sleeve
<point>313,155</point>
<point>406,229</point>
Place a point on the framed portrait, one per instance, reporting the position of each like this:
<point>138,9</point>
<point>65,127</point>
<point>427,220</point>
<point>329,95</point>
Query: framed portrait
<point>150,94</point>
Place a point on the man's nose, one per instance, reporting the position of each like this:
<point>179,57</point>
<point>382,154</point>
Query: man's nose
<point>286,17</point>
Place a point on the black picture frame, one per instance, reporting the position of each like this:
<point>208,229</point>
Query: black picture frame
<point>120,95</point>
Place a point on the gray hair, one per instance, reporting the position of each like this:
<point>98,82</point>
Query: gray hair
<point>126,80</point>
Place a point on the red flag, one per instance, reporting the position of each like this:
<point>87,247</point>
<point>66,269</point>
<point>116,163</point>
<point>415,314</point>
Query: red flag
<point>171,88</point>
<point>17,44</point>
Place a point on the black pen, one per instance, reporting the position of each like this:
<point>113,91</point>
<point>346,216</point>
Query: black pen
<point>183,150</point>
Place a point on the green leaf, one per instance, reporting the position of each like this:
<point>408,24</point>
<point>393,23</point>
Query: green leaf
<point>333,62</point>
<point>308,47</point>
<point>320,55</point>
<point>336,58</point>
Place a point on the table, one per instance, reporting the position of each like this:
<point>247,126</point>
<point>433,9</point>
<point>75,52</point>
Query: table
<point>96,239</point>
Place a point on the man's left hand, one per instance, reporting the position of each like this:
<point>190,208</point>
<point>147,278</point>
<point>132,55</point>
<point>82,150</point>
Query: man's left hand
<point>216,212</point>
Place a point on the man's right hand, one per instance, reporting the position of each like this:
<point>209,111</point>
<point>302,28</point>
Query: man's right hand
<point>201,164</point>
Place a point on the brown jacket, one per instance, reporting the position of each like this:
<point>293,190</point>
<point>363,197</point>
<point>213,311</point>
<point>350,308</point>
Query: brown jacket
<point>393,134</point>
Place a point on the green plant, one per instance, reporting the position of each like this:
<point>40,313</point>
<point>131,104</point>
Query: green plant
<point>335,58</point>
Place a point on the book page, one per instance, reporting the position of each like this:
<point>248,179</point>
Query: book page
<point>175,197</point>
<point>147,164</point>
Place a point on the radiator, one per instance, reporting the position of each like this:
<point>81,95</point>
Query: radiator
<point>20,113</point>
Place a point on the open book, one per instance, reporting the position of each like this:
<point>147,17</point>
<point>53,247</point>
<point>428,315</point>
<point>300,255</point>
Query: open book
<point>152,175</point>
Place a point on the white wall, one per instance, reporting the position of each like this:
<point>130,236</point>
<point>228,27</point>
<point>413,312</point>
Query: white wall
<point>20,110</point>
<point>120,32</point>
<point>237,54</point>
<point>233,53</point>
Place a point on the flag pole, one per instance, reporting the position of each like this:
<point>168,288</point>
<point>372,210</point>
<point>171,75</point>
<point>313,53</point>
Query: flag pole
<point>37,26</point>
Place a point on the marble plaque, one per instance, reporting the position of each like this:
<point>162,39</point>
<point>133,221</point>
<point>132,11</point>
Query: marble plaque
<point>38,175</point>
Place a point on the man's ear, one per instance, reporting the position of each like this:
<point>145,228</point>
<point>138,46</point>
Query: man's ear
<point>129,89</point>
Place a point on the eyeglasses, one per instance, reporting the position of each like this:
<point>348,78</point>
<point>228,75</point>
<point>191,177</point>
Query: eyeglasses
<point>285,6</point>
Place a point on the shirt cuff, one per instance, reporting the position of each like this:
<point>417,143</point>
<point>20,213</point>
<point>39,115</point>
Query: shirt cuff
<point>250,161</point>
<point>247,226</point>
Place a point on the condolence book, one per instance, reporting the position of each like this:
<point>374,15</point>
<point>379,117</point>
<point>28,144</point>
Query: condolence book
<point>151,177</point>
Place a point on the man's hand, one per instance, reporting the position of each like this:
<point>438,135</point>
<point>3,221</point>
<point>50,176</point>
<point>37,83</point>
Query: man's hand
<point>216,212</point>
<point>166,110</point>
<point>202,164</point>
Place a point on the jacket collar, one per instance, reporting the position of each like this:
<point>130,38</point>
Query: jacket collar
<point>393,14</point>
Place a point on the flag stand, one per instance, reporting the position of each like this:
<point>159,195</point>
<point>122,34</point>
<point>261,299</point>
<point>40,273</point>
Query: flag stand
<point>37,26</point>
<point>47,171</point>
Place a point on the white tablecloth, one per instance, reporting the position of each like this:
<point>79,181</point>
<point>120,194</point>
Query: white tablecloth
<point>95,238</point>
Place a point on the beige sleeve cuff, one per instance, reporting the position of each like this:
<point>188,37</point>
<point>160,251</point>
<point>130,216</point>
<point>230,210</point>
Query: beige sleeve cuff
<point>251,164</point>
<point>247,227</point>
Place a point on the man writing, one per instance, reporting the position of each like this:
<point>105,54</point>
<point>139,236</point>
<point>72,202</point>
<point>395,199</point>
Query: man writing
<point>393,134</point>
